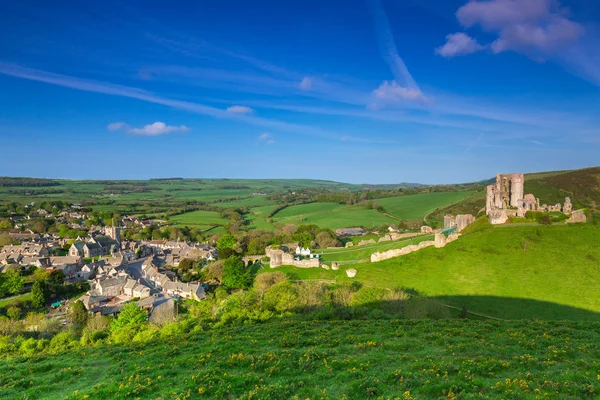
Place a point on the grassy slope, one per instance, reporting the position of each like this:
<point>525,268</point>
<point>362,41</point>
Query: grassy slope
<point>418,205</point>
<point>583,186</point>
<point>356,253</point>
<point>327,360</point>
<point>331,215</point>
<point>556,277</point>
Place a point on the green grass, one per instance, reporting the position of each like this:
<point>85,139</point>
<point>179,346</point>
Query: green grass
<point>356,253</point>
<point>5,303</point>
<point>198,219</point>
<point>515,272</point>
<point>331,216</point>
<point>418,205</point>
<point>417,359</point>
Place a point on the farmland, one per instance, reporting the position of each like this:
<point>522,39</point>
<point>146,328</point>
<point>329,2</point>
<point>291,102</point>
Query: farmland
<point>326,359</point>
<point>332,216</point>
<point>510,272</point>
<point>184,197</point>
<point>418,205</point>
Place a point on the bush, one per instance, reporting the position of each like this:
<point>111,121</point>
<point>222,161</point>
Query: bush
<point>281,297</point>
<point>264,281</point>
<point>65,340</point>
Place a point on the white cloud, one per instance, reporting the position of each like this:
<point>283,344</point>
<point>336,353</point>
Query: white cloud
<point>306,83</point>
<point>537,28</point>
<point>115,126</point>
<point>270,141</point>
<point>239,110</point>
<point>391,94</point>
<point>458,44</point>
<point>155,129</point>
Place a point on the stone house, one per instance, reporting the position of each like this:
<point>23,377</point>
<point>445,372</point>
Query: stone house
<point>193,291</point>
<point>110,287</point>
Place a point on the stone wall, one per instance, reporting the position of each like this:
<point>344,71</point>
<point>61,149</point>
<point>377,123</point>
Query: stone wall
<point>577,216</point>
<point>400,252</point>
<point>464,220</point>
<point>395,236</point>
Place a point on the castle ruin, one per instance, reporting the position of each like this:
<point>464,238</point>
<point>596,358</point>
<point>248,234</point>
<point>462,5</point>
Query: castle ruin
<point>506,198</point>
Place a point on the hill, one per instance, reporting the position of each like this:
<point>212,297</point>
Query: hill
<point>326,360</point>
<point>507,272</point>
<point>582,186</point>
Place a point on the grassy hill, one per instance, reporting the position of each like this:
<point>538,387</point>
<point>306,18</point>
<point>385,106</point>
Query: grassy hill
<point>326,360</point>
<point>510,272</point>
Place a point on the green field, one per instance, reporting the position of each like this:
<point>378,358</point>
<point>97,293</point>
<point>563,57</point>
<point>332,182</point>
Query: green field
<point>418,205</point>
<point>514,272</point>
<point>418,359</point>
<point>331,216</point>
<point>199,219</point>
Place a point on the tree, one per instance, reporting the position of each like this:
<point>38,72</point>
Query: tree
<point>132,316</point>
<point>326,239</point>
<point>13,281</point>
<point>235,275</point>
<point>213,271</point>
<point>224,254</point>
<point>38,294</point>
<point>13,313</point>
<point>56,277</point>
<point>79,314</point>
<point>226,242</point>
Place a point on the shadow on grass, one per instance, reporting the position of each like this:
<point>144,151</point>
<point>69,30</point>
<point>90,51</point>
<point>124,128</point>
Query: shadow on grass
<point>518,308</point>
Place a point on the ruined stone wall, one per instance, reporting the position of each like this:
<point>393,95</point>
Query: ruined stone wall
<point>375,257</point>
<point>577,216</point>
<point>449,221</point>
<point>464,220</point>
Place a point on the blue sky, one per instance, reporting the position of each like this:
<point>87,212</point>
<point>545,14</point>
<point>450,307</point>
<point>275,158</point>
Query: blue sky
<point>356,91</point>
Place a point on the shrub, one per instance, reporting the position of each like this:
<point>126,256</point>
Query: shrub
<point>63,341</point>
<point>264,281</point>
<point>281,297</point>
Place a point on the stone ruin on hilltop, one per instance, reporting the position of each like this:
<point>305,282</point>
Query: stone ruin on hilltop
<point>506,198</point>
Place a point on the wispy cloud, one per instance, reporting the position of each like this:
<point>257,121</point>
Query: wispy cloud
<point>468,149</point>
<point>124,91</point>
<point>404,86</point>
<point>155,129</point>
<point>266,137</point>
<point>239,110</point>
<point>305,83</point>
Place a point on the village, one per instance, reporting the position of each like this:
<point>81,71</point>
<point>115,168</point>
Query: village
<point>117,271</point>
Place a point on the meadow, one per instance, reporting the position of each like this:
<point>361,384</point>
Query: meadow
<point>418,205</point>
<point>331,216</point>
<point>199,219</point>
<point>513,272</point>
<point>402,359</point>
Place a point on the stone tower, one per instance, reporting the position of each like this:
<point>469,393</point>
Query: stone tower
<point>113,232</point>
